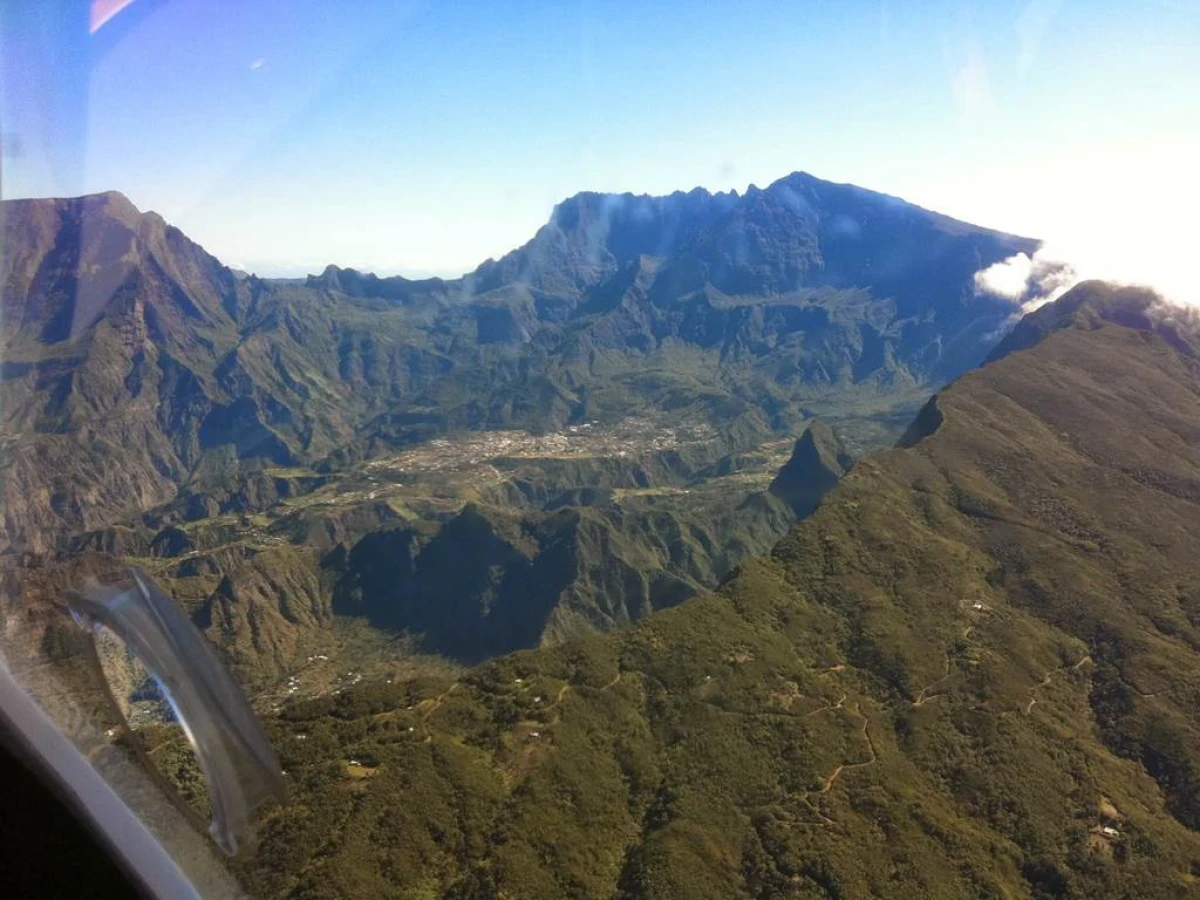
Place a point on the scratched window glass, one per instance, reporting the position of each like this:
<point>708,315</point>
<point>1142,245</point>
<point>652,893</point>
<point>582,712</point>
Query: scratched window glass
<point>601,450</point>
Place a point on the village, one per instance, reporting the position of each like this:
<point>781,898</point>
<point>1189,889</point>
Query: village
<point>630,437</point>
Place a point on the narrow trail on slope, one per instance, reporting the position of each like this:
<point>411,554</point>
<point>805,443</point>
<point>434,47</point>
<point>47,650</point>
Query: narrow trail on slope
<point>826,708</point>
<point>438,701</point>
<point>837,773</point>
<point>558,698</point>
<point>608,686</point>
<point>831,779</point>
<point>566,689</point>
<point>924,696</point>
<point>1045,682</point>
<point>1049,677</point>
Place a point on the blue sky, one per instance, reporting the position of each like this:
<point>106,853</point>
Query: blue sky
<point>423,137</point>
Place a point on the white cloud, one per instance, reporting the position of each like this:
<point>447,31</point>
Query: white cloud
<point>1008,278</point>
<point>257,64</point>
<point>1028,281</point>
<point>1121,211</point>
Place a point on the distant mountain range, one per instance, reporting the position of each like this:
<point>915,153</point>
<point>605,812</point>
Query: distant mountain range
<point>267,448</point>
<point>135,363</point>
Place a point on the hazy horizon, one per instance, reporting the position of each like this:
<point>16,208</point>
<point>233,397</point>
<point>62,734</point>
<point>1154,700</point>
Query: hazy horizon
<point>315,270</point>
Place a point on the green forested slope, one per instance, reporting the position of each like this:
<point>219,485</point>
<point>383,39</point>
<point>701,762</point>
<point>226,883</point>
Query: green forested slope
<point>971,673</point>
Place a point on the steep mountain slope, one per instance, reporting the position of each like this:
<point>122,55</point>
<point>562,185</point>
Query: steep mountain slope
<point>135,363</point>
<point>972,672</point>
<point>98,333</point>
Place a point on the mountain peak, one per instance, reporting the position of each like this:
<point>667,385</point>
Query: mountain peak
<point>1092,303</point>
<point>96,255</point>
<point>114,202</point>
<point>817,462</point>
<point>799,177</point>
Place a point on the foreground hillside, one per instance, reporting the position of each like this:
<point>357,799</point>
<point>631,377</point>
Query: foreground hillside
<point>971,673</point>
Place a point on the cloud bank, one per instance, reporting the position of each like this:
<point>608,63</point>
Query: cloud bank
<point>1028,281</point>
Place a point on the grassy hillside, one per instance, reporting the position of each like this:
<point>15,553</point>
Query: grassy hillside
<point>971,673</point>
